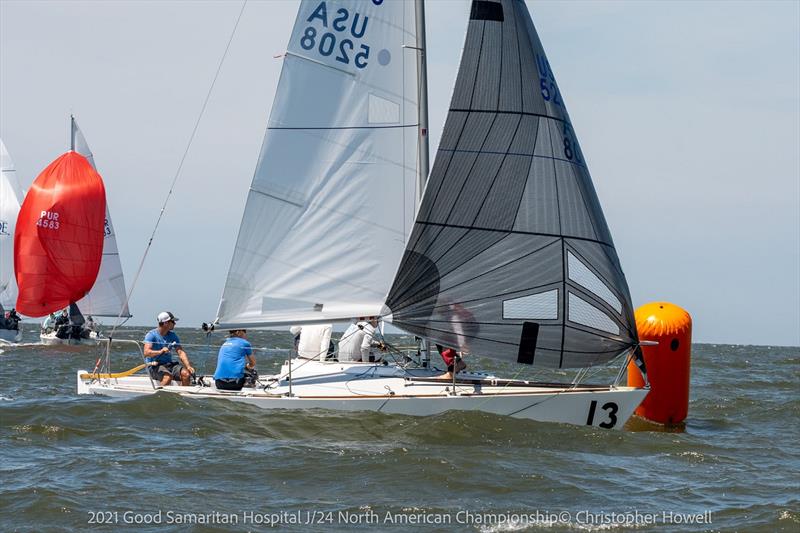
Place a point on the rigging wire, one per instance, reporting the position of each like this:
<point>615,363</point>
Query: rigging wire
<point>178,171</point>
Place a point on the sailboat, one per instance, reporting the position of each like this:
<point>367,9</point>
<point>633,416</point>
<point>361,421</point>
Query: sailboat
<point>65,250</point>
<point>507,255</point>
<point>9,208</point>
<point>107,297</point>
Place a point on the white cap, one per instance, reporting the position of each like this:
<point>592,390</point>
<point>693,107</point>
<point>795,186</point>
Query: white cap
<point>166,316</point>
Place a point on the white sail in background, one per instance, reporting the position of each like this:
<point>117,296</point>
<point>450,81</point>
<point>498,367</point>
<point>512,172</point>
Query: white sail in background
<point>334,193</point>
<point>108,295</point>
<point>10,199</point>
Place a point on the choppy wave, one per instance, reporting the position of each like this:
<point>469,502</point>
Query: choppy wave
<point>64,455</point>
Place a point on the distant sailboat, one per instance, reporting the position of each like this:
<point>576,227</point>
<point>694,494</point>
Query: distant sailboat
<point>509,256</point>
<point>67,254</point>
<point>107,298</point>
<point>10,194</point>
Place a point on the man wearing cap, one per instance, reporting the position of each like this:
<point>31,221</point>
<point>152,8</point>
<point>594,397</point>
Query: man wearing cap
<point>234,361</point>
<point>158,345</point>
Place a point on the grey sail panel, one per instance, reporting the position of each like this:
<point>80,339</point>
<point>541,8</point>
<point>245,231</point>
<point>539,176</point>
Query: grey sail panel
<point>510,255</point>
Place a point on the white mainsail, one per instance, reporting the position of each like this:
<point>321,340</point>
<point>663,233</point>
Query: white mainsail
<point>10,199</point>
<point>107,297</point>
<point>334,193</point>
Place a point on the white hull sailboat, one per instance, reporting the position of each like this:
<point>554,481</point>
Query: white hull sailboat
<point>395,390</point>
<point>10,199</point>
<point>50,339</point>
<point>107,296</point>
<point>503,251</point>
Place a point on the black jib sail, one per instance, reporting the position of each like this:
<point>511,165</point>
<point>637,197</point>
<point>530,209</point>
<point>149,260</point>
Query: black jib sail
<point>510,256</point>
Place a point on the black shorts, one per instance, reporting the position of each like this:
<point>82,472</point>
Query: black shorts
<point>171,369</point>
<point>229,383</point>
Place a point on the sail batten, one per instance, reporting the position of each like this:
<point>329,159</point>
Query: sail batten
<point>510,255</point>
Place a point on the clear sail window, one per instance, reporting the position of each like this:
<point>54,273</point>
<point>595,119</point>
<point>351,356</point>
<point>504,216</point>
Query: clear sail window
<point>580,274</point>
<point>582,312</point>
<point>541,306</point>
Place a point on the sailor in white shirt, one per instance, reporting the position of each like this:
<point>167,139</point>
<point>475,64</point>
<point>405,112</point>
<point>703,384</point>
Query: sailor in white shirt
<point>358,340</point>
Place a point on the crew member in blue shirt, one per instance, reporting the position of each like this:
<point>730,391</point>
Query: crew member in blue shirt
<point>234,360</point>
<point>158,346</point>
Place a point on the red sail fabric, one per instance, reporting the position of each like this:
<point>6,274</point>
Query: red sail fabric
<point>58,242</point>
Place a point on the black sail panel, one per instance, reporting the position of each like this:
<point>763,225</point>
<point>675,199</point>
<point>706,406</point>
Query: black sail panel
<point>510,256</point>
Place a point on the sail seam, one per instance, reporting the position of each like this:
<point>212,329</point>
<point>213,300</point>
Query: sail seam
<point>519,232</point>
<point>478,66</point>
<point>500,111</point>
<point>563,301</point>
<point>512,153</point>
<point>528,174</point>
<point>555,180</point>
<point>580,185</point>
<point>521,85</point>
<point>500,73</point>
<point>342,127</point>
<point>268,195</point>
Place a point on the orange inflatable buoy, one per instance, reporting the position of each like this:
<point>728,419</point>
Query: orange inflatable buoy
<point>668,363</point>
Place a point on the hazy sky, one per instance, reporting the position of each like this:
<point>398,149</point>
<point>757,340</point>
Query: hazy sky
<point>688,114</point>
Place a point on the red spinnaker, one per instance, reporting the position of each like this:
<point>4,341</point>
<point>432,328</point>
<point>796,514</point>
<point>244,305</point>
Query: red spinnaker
<point>58,242</point>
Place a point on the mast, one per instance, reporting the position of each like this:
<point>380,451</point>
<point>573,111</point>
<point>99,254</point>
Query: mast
<point>72,132</point>
<point>422,140</point>
<point>422,98</point>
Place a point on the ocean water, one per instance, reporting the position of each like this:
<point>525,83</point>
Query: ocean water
<point>162,463</point>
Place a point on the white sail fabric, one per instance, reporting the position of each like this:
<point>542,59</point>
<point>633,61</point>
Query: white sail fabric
<point>334,192</point>
<point>10,200</point>
<point>107,297</point>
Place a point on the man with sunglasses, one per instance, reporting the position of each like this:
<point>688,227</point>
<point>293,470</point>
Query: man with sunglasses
<point>158,346</point>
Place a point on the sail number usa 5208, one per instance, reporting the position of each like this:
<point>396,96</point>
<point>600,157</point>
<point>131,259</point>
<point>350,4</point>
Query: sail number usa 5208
<point>337,32</point>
